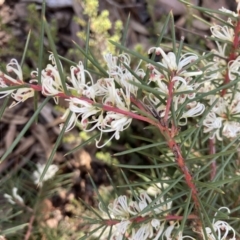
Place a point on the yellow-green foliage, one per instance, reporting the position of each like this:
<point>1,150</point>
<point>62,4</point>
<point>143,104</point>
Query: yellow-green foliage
<point>101,23</point>
<point>100,27</point>
<point>91,7</point>
<point>106,158</point>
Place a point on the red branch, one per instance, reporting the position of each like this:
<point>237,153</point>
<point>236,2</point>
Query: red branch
<point>173,145</point>
<point>103,106</point>
<point>169,135</point>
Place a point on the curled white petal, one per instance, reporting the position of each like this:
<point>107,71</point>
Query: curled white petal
<point>222,32</point>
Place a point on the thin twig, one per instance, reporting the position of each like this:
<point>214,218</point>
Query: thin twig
<point>30,227</point>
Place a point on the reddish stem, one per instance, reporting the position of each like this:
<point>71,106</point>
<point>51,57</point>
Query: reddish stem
<point>103,106</point>
<point>173,145</point>
<point>30,227</point>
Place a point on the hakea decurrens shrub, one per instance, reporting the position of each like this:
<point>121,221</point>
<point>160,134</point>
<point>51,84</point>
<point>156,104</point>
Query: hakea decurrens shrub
<point>186,87</point>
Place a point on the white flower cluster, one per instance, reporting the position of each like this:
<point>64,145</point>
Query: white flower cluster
<point>144,211</point>
<point>86,100</point>
<point>221,228</point>
<point>175,79</point>
<point>138,220</point>
<point>19,95</point>
<point>50,173</point>
<point>224,116</point>
<point>223,119</point>
<point>104,91</point>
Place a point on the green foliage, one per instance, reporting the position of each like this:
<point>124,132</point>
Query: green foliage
<point>175,174</point>
<point>101,28</point>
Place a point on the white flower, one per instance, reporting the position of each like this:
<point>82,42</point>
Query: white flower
<point>21,95</point>
<point>221,51</point>
<point>114,122</point>
<point>14,198</point>
<point>231,129</point>
<point>143,233</point>
<point>223,32</point>
<point>4,85</point>
<point>213,72</point>
<point>123,226</point>
<point>144,200</point>
<point>156,189</point>
<point>159,232</point>
<point>148,227</point>
<point>119,207</point>
<point>72,121</point>
<point>221,228</point>
<point>168,232</point>
<point>78,79</point>
<point>86,110</point>
<point>221,58</point>
<point>51,171</point>
<point>234,68</point>
<point>51,81</point>
<point>220,106</point>
<point>120,73</point>
<point>13,66</point>
<point>111,63</point>
<point>160,109</point>
<point>170,61</point>
<point>195,110</point>
<point>183,88</point>
<point>212,123</point>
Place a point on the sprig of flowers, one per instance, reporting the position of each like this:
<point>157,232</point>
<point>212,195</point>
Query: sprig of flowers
<point>140,220</point>
<point>106,92</point>
<point>223,119</point>
<point>222,229</point>
<point>137,219</point>
<point>19,95</point>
